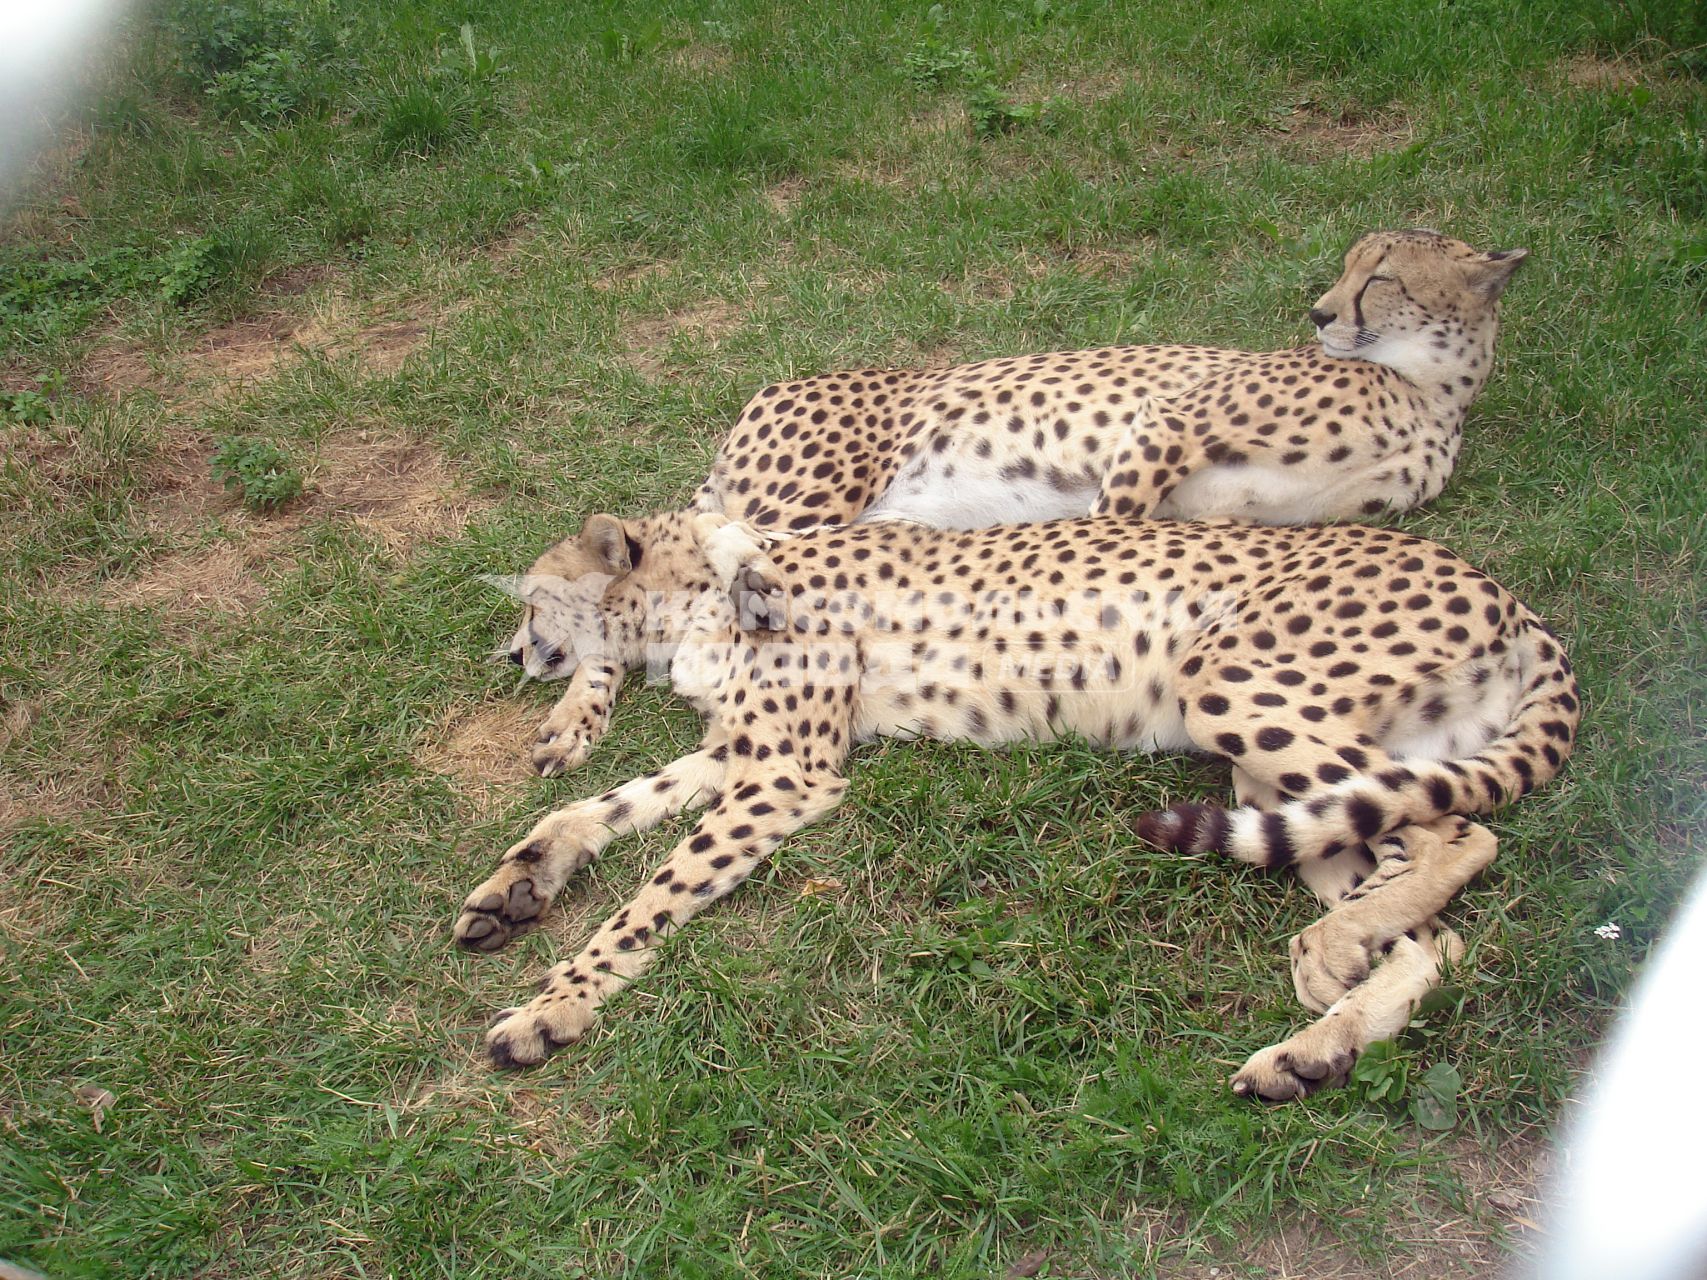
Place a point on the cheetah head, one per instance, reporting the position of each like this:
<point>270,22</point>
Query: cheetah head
<point>607,592</point>
<point>1409,299</point>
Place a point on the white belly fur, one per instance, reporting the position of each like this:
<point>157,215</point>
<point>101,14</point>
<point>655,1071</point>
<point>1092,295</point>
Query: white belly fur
<point>977,496</point>
<point>1273,495</point>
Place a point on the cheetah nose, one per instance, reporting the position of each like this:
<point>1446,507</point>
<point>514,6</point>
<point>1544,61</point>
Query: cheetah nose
<point>1321,317</point>
<point>516,656</point>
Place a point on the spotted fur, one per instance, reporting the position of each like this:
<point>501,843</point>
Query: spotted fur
<point>1368,688</point>
<point>1368,419</point>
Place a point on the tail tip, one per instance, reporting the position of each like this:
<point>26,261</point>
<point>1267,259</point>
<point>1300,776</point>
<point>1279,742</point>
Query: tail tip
<point>1160,829</point>
<point>1184,828</point>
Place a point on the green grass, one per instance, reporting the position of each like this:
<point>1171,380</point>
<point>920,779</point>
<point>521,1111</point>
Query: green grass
<point>229,866</point>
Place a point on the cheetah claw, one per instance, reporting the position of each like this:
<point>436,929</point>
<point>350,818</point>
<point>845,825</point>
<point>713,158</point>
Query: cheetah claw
<point>555,753</point>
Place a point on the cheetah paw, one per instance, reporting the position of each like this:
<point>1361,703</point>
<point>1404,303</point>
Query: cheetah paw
<point>557,752</point>
<point>494,915</point>
<point>1328,959</point>
<point>1315,1058</point>
<point>527,1036</point>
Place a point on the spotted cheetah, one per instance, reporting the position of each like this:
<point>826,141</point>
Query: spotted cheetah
<point>1366,420</point>
<point>1369,688</point>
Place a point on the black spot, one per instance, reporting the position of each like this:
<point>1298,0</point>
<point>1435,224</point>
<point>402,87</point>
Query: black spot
<point>1366,816</point>
<point>1280,852</point>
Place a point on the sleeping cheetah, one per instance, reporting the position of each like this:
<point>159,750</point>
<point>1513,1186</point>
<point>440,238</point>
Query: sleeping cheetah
<point>1367,420</point>
<point>1367,687</point>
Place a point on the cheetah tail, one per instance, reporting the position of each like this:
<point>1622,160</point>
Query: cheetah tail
<point>1532,749</point>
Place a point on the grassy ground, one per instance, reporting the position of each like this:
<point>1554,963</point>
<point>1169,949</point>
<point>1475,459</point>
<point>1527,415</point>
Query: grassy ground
<point>251,763</point>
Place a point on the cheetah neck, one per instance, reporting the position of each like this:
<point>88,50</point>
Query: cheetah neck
<point>1447,363</point>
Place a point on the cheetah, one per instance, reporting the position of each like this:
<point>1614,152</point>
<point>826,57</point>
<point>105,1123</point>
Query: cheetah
<point>1368,419</point>
<point>1371,691</point>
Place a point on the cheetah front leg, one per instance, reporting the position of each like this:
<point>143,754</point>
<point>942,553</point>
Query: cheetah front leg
<point>535,869</point>
<point>755,812</point>
<point>1149,460</point>
<point>579,719</point>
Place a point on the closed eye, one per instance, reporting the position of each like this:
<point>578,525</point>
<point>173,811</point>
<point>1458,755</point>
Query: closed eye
<point>1357,302</point>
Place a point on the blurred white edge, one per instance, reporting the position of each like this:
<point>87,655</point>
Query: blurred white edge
<point>1629,1197</point>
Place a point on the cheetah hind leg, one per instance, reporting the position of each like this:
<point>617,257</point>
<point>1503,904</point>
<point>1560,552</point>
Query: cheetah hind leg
<point>1322,1055</point>
<point>1420,870</point>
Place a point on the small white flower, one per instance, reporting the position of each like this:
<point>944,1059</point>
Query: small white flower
<point>1609,931</point>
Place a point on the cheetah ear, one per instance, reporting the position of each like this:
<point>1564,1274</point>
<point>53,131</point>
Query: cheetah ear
<point>1491,272</point>
<point>605,537</point>
<point>759,597</point>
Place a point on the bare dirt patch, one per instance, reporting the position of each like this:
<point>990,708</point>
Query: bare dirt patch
<point>1026,267</point>
<point>702,58</point>
<point>516,252</point>
<point>271,948</point>
<point>782,197</point>
<point>648,340</point>
<point>227,577</point>
<point>631,274</point>
<point>942,355</point>
<point>34,912</point>
<point>294,281</point>
<point>1585,71</point>
<point>551,1122</point>
<point>248,349</point>
<point>1109,262</point>
<point>117,368</point>
<point>1089,90</point>
<point>15,721</point>
<point>1314,133</point>
<point>56,791</point>
<point>396,490</point>
<point>49,211</point>
<point>1429,1241</point>
<point>399,491</point>
<point>236,354</point>
<point>483,748</point>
